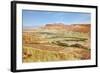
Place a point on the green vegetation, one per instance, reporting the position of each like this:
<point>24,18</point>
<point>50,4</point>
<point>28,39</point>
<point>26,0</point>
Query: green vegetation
<point>61,44</point>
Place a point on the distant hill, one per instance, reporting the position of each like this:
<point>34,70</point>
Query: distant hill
<point>71,27</point>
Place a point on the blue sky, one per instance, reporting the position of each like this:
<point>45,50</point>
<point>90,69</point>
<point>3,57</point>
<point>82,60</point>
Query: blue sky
<point>33,18</point>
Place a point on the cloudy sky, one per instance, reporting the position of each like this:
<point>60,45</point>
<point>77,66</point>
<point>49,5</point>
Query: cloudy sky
<point>35,18</point>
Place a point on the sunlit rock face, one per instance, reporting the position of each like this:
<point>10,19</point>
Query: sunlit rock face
<point>69,27</point>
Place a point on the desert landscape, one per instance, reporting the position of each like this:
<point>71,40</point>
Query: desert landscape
<point>56,42</point>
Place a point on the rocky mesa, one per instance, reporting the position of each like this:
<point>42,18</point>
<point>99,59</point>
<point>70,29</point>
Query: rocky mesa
<point>69,27</point>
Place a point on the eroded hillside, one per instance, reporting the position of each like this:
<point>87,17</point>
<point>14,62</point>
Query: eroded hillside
<point>56,42</point>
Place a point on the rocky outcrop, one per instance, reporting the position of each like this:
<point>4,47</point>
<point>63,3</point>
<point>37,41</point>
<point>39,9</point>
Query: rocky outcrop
<point>71,27</point>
